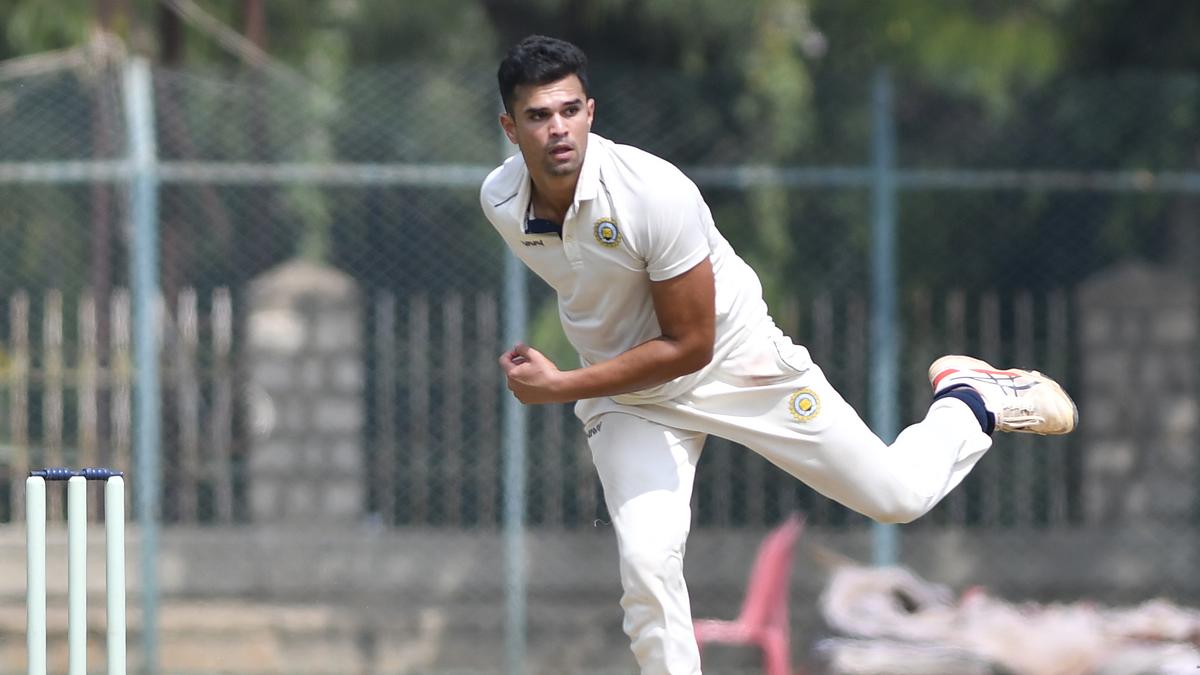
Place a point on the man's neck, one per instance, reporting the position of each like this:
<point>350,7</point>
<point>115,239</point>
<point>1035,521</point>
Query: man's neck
<point>552,197</point>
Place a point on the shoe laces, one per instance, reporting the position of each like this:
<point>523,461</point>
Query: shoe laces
<point>1019,411</point>
<point>1021,417</point>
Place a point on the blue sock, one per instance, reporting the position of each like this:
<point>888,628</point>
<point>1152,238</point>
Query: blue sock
<point>964,393</point>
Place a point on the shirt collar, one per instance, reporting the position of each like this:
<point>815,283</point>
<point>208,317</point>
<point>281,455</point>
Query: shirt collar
<point>589,174</point>
<point>587,188</point>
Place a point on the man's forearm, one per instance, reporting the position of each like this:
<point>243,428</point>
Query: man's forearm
<point>646,365</point>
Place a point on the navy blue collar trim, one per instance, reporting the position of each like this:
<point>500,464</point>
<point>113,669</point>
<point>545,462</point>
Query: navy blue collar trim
<point>543,226</point>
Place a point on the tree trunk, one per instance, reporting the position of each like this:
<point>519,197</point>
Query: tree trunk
<point>260,241</point>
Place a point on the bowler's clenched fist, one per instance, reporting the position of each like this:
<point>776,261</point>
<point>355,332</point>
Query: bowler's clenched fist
<point>532,377</point>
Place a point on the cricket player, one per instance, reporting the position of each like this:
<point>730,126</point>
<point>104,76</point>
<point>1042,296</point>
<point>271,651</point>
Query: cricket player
<point>675,343</point>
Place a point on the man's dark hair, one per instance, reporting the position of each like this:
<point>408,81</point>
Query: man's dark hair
<point>540,60</point>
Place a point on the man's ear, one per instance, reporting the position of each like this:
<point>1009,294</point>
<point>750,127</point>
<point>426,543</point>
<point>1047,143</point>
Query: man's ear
<point>510,127</point>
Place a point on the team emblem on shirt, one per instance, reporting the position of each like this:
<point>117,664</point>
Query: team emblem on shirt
<point>804,405</point>
<point>607,233</point>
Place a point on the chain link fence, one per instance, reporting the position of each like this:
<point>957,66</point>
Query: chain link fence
<point>331,313</point>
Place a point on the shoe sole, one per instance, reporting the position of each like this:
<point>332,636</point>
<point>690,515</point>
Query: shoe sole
<point>955,362</point>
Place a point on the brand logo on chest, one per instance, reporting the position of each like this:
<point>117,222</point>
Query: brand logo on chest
<point>606,232</point>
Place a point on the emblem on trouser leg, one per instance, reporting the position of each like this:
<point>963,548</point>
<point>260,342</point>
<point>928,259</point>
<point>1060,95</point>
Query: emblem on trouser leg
<point>804,405</point>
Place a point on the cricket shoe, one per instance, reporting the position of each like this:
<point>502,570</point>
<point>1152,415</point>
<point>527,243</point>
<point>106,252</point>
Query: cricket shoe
<point>1021,400</point>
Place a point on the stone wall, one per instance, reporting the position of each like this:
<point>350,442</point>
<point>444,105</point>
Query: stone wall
<point>1138,343</point>
<point>304,395</point>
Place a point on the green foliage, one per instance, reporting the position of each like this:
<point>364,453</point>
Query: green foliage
<point>1050,84</point>
<point>972,52</point>
<point>546,334</point>
<point>452,32</point>
<point>32,26</point>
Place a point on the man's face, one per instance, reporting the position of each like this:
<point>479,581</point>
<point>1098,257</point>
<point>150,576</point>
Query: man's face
<point>550,124</point>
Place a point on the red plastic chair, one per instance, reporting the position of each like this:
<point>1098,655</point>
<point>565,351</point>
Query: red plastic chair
<point>763,620</point>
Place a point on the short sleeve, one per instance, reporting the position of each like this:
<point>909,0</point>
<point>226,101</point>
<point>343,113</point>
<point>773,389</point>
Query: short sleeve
<point>678,235</point>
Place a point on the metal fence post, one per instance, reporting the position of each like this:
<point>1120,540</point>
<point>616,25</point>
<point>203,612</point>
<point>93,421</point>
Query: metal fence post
<point>143,256</point>
<point>884,334</point>
<point>516,320</point>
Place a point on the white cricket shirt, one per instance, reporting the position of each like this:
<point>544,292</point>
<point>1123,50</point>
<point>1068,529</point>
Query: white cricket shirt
<point>635,219</point>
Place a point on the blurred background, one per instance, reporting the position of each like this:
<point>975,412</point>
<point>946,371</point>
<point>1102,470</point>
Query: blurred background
<point>242,258</point>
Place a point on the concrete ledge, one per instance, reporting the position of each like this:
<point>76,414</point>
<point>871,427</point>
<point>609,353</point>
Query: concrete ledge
<point>307,564</point>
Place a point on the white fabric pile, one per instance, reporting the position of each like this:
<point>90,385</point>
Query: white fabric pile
<point>893,609</point>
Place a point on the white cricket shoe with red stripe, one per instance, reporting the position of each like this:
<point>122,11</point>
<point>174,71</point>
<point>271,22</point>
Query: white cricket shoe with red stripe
<point>1021,400</point>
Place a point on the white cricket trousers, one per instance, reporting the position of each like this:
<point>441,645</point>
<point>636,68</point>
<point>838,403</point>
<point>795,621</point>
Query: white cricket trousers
<point>646,457</point>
